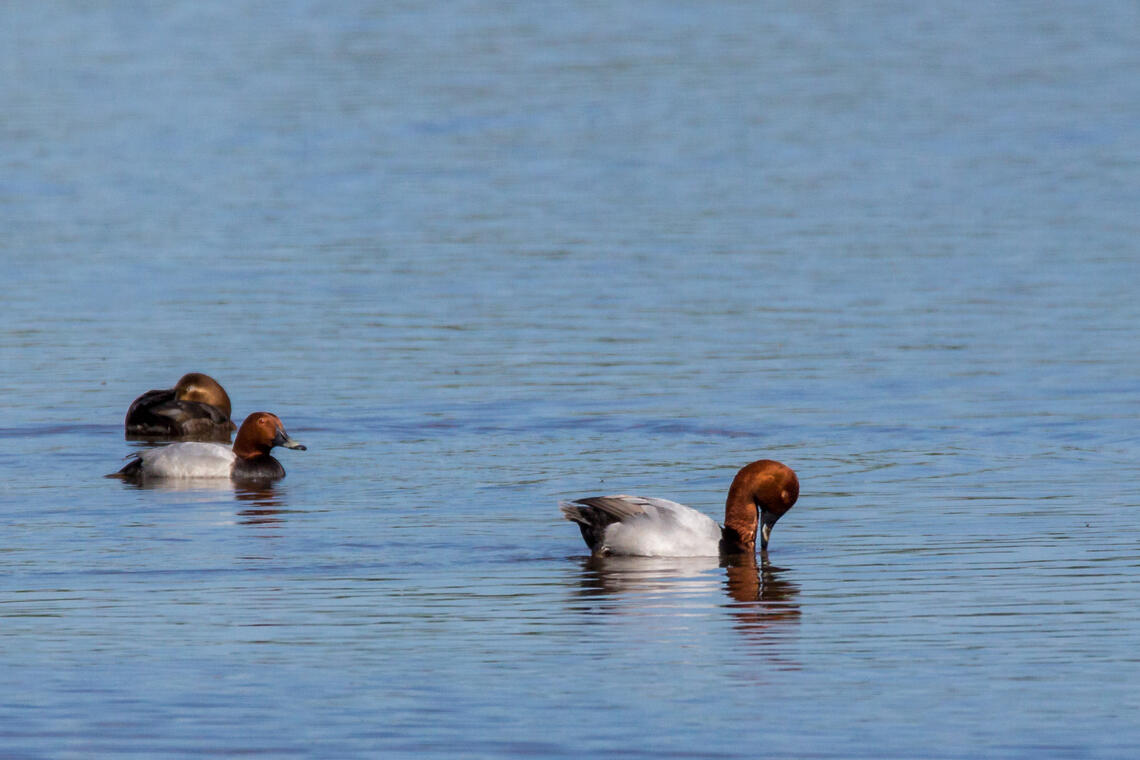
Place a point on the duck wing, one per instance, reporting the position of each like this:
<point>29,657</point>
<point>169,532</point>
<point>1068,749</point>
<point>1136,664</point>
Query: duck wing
<point>182,412</point>
<point>594,514</point>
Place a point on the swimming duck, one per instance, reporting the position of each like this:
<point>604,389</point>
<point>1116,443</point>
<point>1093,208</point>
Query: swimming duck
<point>249,458</point>
<point>760,494</point>
<point>196,408</point>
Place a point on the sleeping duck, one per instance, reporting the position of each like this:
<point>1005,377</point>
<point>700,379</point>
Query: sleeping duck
<point>197,408</point>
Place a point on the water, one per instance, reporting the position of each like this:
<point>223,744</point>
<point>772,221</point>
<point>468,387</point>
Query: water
<point>483,256</point>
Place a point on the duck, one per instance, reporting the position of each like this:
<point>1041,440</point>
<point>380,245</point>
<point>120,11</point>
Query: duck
<point>197,408</point>
<point>761,493</point>
<point>249,459</point>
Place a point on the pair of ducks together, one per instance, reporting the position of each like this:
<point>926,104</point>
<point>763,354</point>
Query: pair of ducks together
<point>199,408</point>
<point>196,412</point>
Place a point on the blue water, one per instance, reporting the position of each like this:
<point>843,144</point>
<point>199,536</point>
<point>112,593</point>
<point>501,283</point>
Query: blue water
<point>484,256</point>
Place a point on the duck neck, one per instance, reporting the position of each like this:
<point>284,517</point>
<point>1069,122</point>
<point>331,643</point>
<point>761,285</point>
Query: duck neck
<point>247,448</point>
<point>741,518</point>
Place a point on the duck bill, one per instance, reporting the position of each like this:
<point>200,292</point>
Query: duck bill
<point>282,439</point>
<point>767,522</point>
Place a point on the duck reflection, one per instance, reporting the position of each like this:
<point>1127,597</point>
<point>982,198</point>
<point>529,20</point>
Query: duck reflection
<point>262,502</point>
<point>760,598</point>
<point>265,503</point>
<point>616,575</point>
<point>205,486</point>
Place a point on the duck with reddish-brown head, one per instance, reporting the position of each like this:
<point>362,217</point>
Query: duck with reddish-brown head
<point>761,493</point>
<point>249,459</point>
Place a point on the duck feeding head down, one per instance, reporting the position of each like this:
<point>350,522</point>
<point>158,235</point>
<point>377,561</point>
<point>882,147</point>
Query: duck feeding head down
<point>249,459</point>
<point>761,493</point>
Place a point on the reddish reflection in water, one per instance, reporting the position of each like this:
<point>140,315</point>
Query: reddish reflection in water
<point>763,603</point>
<point>265,504</point>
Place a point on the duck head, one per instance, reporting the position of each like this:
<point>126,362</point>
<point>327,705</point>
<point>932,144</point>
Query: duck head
<point>202,388</point>
<point>760,494</point>
<point>260,432</point>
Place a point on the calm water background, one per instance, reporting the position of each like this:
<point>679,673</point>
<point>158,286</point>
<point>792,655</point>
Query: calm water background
<point>481,256</point>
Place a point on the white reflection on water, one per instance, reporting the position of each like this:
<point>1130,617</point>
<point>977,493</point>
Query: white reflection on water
<point>761,600</point>
<point>262,503</point>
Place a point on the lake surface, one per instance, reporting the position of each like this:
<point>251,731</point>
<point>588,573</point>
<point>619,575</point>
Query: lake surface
<point>483,256</point>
